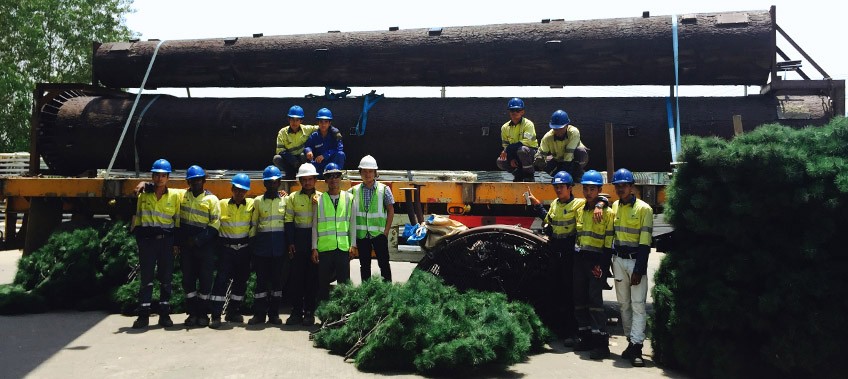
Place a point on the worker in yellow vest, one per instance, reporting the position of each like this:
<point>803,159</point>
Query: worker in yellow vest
<point>633,232</point>
<point>333,233</point>
<point>561,148</point>
<point>290,143</point>
<point>200,219</point>
<point>373,206</point>
<point>268,244</point>
<point>562,221</point>
<point>233,253</point>
<point>157,214</point>
<point>303,283</point>
<point>591,264</point>
<point>518,139</point>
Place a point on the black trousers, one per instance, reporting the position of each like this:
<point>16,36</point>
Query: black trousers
<point>561,282</point>
<point>333,264</point>
<point>303,282</point>
<point>198,265</point>
<point>232,265</point>
<point>380,244</point>
<point>269,284</point>
<point>590,279</point>
<point>155,256</point>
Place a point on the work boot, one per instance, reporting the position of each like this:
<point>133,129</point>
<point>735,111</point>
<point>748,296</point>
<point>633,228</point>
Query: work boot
<point>294,319</point>
<point>216,322</point>
<point>203,320</point>
<point>256,320</point>
<point>601,349</point>
<point>143,319</point>
<point>234,312</point>
<point>165,316</point>
<point>274,311</point>
<point>627,354</point>
<point>636,356</point>
<point>308,319</point>
<point>584,340</point>
<point>190,321</point>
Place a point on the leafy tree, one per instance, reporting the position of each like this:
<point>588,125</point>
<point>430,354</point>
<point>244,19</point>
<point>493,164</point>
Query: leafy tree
<point>48,41</point>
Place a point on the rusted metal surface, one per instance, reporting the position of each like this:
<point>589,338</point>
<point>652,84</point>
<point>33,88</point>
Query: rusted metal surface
<point>726,48</point>
<point>402,133</point>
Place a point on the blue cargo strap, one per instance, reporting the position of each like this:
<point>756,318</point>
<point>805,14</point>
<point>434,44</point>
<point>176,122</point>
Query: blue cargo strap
<point>676,86</point>
<point>132,110</point>
<point>370,99</point>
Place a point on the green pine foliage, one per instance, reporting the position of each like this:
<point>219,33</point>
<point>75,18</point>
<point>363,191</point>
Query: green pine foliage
<point>428,326</point>
<point>73,270</point>
<point>752,286</point>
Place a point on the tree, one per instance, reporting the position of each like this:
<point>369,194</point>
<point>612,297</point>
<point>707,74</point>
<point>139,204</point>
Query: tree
<point>48,41</point>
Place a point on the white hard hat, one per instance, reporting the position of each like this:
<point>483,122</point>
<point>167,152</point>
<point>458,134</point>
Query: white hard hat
<point>306,169</point>
<point>368,162</point>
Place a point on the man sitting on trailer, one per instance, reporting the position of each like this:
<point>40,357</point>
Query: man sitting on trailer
<point>325,145</point>
<point>561,149</point>
<point>518,138</point>
<point>291,141</point>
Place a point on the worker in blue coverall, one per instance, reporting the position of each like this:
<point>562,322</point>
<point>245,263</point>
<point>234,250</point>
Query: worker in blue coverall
<point>325,145</point>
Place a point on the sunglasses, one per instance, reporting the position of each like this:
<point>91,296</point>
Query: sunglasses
<point>515,110</point>
<point>332,176</point>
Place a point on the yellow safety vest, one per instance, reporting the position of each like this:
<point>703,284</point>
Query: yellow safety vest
<point>370,218</point>
<point>299,209</point>
<point>293,143</point>
<point>633,224</point>
<point>592,236</point>
<point>200,211</point>
<point>561,150</point>
<point>162,213</point>
<point>333,225</point>
<point>524,132</point>
<point>268,215</point>
<point>563,217</point>
<point>236,219</point>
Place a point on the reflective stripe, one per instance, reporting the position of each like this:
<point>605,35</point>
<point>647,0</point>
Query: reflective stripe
<point>303,214</point>
<point>626,243</point>
<point>164,303</point>
<point>236,297</point>
<point>154,213</point>
<point>260,295</point>
<point>217,298</point>
<point>564,223</point>
<point>591,234</point>
<point>277,294</point>
<point>303,226</point>
<point>191,294</point>
<point>624,229</point>
<point>203,296</point>
<point>145,305</point>
<point>196,212</point>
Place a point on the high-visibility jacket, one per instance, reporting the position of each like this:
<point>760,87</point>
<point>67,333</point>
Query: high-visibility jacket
<point>199,211</point>
<point>293,143</point>
<point>633,224</point>
<point>524,131</point>
<point>299,209</point>
<point>333,225</point>
<point>236,219</point>
<point>561,150</point>
<point>268,214</point>
<point>591,235</point>
<point>370,218</point>
<point>159,213</point>
<point>562,216</point>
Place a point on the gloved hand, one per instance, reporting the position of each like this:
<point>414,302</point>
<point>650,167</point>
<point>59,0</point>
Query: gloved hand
<point>548,230</point>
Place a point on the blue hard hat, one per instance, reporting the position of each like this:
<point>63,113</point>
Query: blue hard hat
<point>562,177</point>
<point>296,111</point>
<point>559,119</point>
<point>332,168</point>
<point>623,175</point>
<point>195,171</point>
<point>241,181</point>
<point>271,173</point>
<point>324,114</point>
<point>515,103</point>
<point>592,177</point>
<point>161,165</point>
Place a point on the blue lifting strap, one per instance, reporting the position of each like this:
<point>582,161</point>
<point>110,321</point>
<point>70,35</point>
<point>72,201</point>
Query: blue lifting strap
<point>370,99</point>
<point>676,84</point>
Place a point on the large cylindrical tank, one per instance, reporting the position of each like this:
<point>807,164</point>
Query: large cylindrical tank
<point>78,133</point>
<point>730,48</point>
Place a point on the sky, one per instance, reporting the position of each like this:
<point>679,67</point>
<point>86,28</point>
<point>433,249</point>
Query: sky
<point>816,27</point>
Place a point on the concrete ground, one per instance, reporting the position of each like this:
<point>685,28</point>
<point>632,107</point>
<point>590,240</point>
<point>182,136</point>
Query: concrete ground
<point>97,344</point>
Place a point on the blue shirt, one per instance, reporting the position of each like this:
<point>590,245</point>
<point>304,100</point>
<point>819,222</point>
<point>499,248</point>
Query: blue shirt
<point>327,146</point>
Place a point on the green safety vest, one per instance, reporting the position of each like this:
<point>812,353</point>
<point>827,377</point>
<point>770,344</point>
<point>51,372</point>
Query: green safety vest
<point>370,218</point>
<point>333,222</point>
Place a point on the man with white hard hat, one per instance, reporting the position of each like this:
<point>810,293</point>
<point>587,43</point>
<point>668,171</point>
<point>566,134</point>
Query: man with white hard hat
<point>373,207</point>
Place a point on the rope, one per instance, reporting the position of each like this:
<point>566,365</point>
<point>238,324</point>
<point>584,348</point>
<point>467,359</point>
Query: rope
<point>676,85</point>
<point>132,110</point>
<point>370,99</point>
<point>135,132</point>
